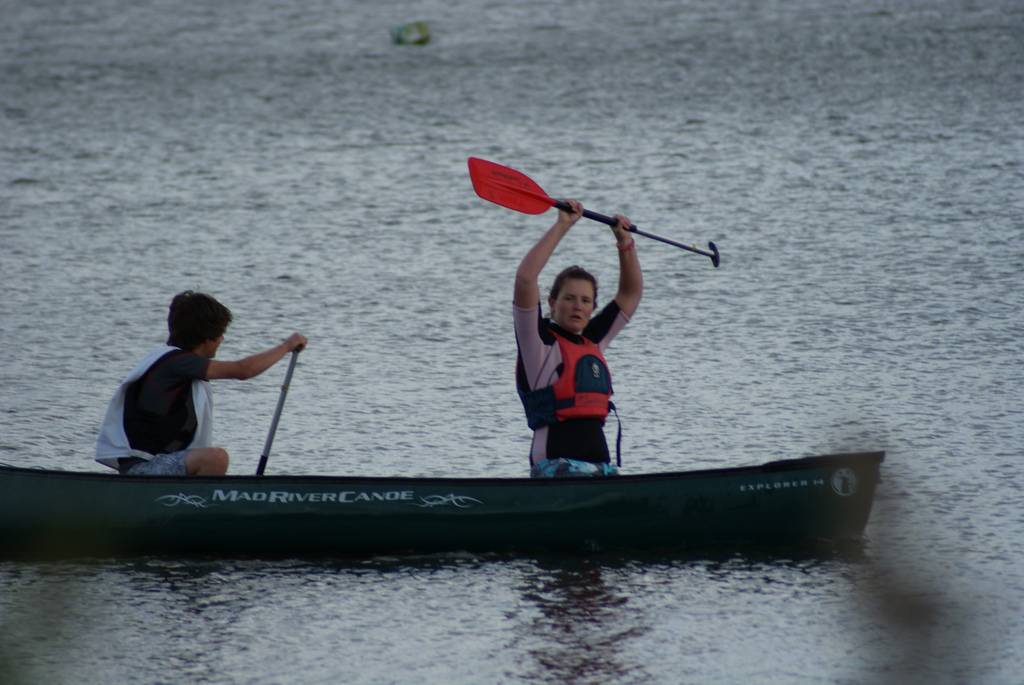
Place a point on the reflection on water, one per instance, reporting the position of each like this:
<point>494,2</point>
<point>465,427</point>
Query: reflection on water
<point>582,626</point>
<point>659,617</point>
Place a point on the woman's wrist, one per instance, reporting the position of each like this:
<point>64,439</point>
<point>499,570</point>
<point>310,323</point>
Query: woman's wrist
<point>627,246</point>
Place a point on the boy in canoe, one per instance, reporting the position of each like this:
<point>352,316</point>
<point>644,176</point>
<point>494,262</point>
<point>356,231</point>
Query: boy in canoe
<point>561,374</point>
<point>159,421</point>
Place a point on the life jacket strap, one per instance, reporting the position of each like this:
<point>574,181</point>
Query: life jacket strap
<point>618,435</point>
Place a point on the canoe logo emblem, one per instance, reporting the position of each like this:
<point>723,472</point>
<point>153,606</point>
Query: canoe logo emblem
<point>453,500</point>
<point>595,369</point>
<point>181,498</point>
<point>844,482</point>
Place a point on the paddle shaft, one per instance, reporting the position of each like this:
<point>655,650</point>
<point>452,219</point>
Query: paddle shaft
<point>594,216</point>
<point>277,414</point>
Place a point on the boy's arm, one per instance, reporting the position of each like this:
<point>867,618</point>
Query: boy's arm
<point>256,364</point>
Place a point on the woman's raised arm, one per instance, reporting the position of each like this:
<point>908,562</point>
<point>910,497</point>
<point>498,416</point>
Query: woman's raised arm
<point>527,293</point>
<point>631,278</point>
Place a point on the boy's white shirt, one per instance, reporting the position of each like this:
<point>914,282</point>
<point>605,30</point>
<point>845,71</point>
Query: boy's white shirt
<point>112,442</point>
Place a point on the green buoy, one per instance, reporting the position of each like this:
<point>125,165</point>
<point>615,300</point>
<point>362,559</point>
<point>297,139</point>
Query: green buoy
<point>413,33</point>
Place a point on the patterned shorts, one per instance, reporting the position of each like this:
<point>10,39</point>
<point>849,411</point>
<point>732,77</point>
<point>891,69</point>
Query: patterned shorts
<point>571,468</point>
<point>172,464</point>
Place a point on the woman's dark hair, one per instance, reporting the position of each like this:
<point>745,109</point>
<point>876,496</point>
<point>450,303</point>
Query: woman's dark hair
<point>572,272</point>
<point>195,318</point>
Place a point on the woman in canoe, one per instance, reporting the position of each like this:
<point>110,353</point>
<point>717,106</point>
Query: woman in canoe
<point>159,422</point>
<point>561,374</point>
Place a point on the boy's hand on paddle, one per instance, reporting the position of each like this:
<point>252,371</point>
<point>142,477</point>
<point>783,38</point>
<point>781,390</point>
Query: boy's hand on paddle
<point>296,342</point>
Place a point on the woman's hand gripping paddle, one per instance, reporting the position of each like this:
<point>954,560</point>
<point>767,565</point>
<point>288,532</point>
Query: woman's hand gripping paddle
<point>507,187</point>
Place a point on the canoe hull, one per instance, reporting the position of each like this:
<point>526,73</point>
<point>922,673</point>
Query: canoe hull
<point>62,514</point>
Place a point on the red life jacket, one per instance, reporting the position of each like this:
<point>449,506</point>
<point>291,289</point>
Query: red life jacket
<point>583,389</point>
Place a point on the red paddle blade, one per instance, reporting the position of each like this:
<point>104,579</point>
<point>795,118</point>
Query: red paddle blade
<point>507,187</point>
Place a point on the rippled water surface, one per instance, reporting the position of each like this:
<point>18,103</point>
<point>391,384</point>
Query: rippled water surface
<point>859,166</point>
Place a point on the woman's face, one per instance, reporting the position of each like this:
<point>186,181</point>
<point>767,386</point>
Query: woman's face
<point>575,303</point>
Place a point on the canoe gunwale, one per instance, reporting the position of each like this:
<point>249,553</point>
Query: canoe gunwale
<point>801,463</point>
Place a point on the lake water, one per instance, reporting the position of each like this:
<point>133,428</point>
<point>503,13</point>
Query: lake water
<point>858,165</point>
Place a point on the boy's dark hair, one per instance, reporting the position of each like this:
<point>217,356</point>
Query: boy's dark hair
<point>572,272</point>
<point>195,318</point>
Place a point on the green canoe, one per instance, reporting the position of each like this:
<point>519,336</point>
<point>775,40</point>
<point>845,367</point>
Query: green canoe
<point>46,513</point>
